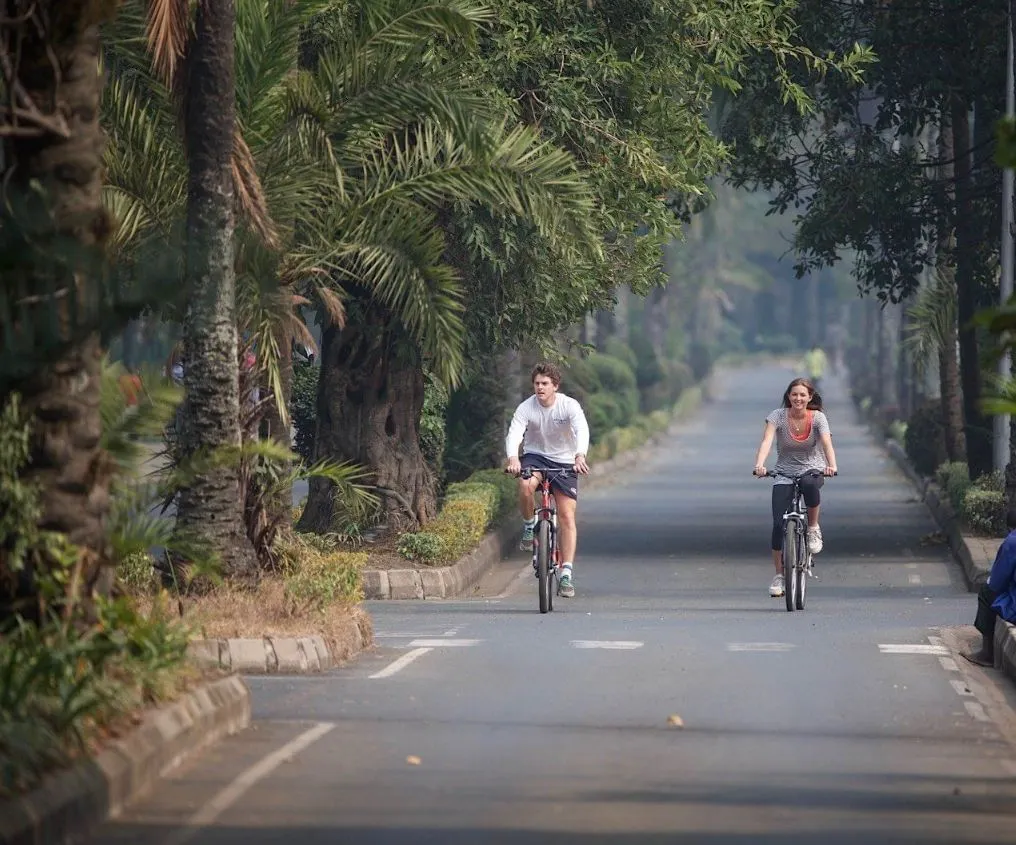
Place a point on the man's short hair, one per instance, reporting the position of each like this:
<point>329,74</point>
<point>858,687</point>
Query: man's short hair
<point>551,371</point>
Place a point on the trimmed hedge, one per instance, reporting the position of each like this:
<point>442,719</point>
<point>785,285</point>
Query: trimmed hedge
<point>983,511</point>
<point>954,479</point>
<point>470,508</point>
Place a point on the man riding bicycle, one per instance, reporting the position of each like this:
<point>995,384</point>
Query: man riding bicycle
<point>554,434</point>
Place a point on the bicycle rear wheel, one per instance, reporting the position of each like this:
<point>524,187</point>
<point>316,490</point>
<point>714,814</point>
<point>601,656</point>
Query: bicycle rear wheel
<point>791,541</point>
<point>543,564</point>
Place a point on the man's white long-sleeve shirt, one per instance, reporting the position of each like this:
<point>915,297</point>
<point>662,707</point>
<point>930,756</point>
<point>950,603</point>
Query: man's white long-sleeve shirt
<point>559,432</point>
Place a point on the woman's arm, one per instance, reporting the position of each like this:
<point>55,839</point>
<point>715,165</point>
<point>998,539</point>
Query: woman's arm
<point>768,433</point>
<point>830,454</point>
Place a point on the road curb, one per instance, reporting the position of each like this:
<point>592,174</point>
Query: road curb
<point>974,554</point>
<point>72,802</point>
<point>304,655</point>
<point>442,582</point>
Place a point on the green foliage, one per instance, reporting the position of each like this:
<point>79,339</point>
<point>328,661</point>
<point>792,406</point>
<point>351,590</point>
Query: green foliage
<point>317,579</point>
<point>898,432</point>
<point>64,683</point>
<point>954,479</point>
<point>924,440</point>
<point>136,573</point>
<point>303,407</point>
<point>469,509</point>
<point>983,511</point>
<point>433,436</point>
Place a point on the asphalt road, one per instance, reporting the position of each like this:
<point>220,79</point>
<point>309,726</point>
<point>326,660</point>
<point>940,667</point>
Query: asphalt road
<point>481,721</point>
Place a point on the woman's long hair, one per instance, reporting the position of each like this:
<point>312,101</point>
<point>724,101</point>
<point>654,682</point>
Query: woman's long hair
<point>814,403</point>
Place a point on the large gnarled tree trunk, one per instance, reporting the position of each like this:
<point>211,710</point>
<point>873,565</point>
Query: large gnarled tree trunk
<point>369,403</point>
<point>211,508</point>
<point>55,226</point>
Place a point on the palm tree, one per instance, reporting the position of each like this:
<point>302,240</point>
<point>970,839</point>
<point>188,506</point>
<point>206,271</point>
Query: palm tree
<point>411,141</point>
<point>52,295</point>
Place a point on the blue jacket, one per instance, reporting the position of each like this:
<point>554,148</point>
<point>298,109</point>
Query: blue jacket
<point>1002,578</point>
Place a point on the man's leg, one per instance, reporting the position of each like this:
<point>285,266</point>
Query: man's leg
<point>527,507</point>
<point>567,538</point>
<point>985,623</point>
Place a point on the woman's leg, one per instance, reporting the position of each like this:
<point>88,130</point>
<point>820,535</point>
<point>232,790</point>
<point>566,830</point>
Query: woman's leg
<point>810,487</point>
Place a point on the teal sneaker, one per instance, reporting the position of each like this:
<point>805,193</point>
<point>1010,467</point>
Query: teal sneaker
<point>565,588</point>
<point>528,531</point>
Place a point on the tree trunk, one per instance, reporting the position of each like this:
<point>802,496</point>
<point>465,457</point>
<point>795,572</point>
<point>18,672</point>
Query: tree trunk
<point>53,208</point>
<point>978,428</point>
<point>950,389</point>
<point>212,507</point>
<point>369,402</point>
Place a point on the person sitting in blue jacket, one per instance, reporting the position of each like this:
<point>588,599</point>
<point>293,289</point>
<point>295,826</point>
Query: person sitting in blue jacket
<point>998,595</point>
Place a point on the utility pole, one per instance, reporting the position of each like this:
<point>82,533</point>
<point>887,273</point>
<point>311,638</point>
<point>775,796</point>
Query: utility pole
<point>1006,253</point>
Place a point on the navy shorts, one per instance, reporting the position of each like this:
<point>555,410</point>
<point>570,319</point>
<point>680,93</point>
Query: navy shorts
<point>566,483</point>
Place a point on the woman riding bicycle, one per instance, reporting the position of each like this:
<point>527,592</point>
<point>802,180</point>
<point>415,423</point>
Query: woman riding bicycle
<point>803,445</point>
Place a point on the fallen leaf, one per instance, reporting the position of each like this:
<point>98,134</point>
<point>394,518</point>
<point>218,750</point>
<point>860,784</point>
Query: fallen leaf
<point>413,760</point>
<point>675,720</point>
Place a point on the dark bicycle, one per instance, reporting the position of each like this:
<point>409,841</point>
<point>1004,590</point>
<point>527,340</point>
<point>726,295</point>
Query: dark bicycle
<point>546,554</point>
<point>796,557</point>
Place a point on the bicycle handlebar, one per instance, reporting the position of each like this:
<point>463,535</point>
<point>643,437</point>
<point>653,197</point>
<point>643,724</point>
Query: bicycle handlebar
<point>770,474</point>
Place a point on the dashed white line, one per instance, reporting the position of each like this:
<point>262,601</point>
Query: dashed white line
<point>914,578</point>
<point>232,793</point>
<point>961,687</point>
<point>440,643</point>
<point>910,565</point>
<point>976,710</point>
<point>912,648</point>
<point>626,645</point>
<point>760,646</point>
<point>949,664</point>
<point>401,663</point>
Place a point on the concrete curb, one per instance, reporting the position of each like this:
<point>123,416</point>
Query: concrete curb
<point>280,655</point>
<point>975,554</point>
<point>72,802</point>
<point>442,582</point>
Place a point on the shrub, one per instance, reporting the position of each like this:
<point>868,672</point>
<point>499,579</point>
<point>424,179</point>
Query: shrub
<point>136,573</point>
<point>581,380</point>
<point>603,412</point>
<point>994,480</point>
<point>924,440</point>
<point>954,479</point>
<point>317,579</point>
<point>898,431</point>
<point>507,486</point>
<point>422,545</point>
<point>983,511</point>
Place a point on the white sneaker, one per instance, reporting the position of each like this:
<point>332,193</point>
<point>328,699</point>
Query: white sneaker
<point>814,540</point>
<point>776,588</point>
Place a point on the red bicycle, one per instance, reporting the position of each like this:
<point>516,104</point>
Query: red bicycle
<point>546,554</point>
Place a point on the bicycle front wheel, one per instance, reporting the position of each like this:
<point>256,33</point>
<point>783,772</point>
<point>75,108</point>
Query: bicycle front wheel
<point>543,564</point>
<point>791,542</point>
<point>801,574</point>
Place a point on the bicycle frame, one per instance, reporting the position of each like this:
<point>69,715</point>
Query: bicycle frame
<point>547,510</point>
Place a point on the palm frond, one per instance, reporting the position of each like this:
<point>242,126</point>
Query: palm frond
<point>167,31</point>
<point>404,23</point>
<point>932,321</point>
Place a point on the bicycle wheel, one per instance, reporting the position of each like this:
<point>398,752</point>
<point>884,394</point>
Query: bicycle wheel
<point>801,573</point>
<point>791,541</point>
<point>543,564</point>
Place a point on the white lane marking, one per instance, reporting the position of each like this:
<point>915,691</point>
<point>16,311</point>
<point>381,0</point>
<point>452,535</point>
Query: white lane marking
<point>910,565</point>
<point>437,643</point>
<point>401,663</point>
<point>976,710</point>
<point>451,633</point>
<point>949,664</point>
<point>760,646</point>
<point>411,635</point>
<point>912,648</point>
<point>936,641</point>
<point>235,790</point>
<point>961,687</point>
<point>914,579</point>
<point>609,644</point>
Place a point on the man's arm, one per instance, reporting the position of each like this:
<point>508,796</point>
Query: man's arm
<point>1003,570</point>
<point>516,431</point>
<point>580,428</point>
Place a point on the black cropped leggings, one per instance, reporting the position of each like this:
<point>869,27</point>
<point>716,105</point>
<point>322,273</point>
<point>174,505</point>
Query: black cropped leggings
<point>782,494</point>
